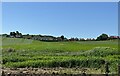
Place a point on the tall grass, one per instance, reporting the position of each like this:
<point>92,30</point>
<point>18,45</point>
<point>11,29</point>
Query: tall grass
<point>88,54</point>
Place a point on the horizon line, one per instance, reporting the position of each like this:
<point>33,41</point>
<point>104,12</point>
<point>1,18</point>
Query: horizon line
<point>59,35</point>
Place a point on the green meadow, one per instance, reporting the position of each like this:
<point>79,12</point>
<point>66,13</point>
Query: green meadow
<point>22,53</point>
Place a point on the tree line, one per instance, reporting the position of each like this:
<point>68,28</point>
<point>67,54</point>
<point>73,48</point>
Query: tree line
<point>17,34</point>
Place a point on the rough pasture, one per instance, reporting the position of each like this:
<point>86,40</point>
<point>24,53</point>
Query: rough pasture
<point>26,53</point>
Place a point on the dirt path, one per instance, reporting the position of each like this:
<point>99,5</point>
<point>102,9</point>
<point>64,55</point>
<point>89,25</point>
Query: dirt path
<point>47,72</point>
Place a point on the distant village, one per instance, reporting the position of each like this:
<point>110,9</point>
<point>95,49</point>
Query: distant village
<point>17,34</point>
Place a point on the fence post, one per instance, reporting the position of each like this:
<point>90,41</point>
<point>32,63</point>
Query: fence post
<point>107,68</point>
<point>118,69</point>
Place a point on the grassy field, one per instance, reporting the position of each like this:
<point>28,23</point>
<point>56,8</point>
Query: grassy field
<point>22,53</point>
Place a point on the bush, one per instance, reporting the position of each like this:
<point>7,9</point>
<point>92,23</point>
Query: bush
<point>11,50</point>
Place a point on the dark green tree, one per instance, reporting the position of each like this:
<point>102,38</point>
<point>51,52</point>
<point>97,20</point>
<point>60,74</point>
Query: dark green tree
<point>62,37</point>
<point>11,33</point>
<point>17,33</point>
<point>102,37</point>
<point>20,34</point>
<point>14,34</point>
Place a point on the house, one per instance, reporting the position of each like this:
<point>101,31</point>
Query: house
<point>114,37</point>
<point>44,38</point>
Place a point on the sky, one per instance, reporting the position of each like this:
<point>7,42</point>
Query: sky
<point>71,19</point>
